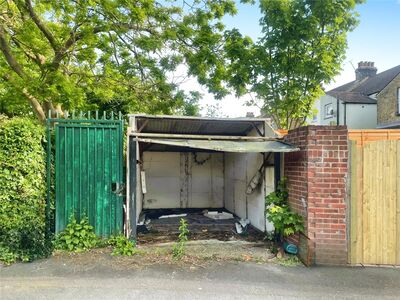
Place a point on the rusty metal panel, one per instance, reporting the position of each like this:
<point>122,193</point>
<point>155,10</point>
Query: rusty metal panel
<point>226,146</point>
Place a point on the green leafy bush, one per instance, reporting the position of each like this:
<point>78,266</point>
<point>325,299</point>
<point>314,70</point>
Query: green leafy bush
<point>77,236</point>
<point>179,248</point>
<point>22,191</point>
<point>122,246</point>
<point>286,222</point>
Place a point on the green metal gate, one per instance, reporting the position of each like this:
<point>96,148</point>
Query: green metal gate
<point>89,173</point>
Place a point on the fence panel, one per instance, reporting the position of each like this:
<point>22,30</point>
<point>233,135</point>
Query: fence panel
<point>374,203</point>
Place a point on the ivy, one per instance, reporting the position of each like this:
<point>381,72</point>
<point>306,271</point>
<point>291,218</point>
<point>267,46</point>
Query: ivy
<point>286,222</point>
<point>22,191</point>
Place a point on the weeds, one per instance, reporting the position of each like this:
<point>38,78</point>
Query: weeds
<point>179,247</point>
<point>286,222</point>
<point>122,246</point>
<point>289,261</point>
<point>77,236</point>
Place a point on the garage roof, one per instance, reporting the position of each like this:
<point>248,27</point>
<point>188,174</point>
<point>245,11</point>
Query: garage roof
<point>225,146</point>
<point>196,125</point>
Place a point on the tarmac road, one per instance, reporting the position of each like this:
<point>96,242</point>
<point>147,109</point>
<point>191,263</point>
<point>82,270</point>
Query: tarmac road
<point>49,280</point>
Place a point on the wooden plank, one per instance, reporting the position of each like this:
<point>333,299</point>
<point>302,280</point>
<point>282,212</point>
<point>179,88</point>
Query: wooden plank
<point>366,136</point>
<point>381,202</point>
<point>359,204</point>
<point>353,259</point>
<point>374,168</point>
<point>377,213</point>
<point>397,209</point>
<point>392,166</point>
<point>367,205</point>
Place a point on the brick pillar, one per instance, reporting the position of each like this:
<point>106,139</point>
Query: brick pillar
<point>317,188</point>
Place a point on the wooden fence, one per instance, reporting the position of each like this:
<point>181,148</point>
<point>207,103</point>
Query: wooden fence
<point>375,197</point>
<point>370,135</point>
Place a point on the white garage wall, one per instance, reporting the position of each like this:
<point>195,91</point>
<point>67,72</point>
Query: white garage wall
<point>207,181</point>
<point>269,188</point>
<point>239,170</point>
<point>172,184</point>
<point>162,172</point>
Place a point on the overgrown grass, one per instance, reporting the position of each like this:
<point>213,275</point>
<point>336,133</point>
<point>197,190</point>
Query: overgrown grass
<point>289,261</point>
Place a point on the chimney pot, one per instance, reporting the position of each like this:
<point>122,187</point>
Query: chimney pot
<point>249,115</point>
<point>365,69</point>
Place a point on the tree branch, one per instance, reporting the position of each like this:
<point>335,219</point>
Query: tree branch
<point>37,58</point>
<point>5,49</point>
<point>46,32</point>
<point>33,101</point>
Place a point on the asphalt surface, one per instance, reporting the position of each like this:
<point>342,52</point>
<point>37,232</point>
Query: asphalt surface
<point>52,280</point>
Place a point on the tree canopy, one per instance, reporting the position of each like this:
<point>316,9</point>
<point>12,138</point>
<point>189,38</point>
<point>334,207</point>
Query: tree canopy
<point>69,54</point>
<point>302,46</point>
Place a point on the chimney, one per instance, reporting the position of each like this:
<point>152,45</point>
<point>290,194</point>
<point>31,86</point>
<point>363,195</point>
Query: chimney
<point>249,115</point>
<point>365,69</point>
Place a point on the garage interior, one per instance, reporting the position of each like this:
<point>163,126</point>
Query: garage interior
<point>214,172</point>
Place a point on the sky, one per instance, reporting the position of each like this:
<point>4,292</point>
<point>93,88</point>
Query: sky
<point>376,39</point>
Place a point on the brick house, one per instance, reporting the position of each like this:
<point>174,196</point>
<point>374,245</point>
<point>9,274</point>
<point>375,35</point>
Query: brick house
<point>370,101</point>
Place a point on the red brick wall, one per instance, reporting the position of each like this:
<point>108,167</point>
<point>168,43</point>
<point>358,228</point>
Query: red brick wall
<point>317,188</point>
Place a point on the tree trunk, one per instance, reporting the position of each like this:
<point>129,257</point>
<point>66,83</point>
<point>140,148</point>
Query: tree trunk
<point>37,107</point>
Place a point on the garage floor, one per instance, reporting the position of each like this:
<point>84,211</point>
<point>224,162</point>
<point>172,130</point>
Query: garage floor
<point>157,227</point>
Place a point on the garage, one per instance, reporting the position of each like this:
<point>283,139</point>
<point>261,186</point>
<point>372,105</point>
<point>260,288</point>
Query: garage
<point>214,172</point>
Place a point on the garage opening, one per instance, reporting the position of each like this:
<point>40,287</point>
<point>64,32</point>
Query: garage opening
<point>213,172</point>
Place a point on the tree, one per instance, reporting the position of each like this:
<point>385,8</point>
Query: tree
<point>302,47</point>
<point>61,55</point>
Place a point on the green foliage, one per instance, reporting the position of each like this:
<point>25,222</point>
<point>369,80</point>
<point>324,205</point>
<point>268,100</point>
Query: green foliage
<point>178,251</point>
<point>64,55</point>
<point>22,191</point>
<point>7,256</point>
<point>286,222</point>
<point>289,261</point>
<point>77,236</point>
<point>122,246</point>
<point>302,46</point>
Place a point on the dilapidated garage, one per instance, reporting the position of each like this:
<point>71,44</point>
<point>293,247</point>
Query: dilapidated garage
<point>220,169</point>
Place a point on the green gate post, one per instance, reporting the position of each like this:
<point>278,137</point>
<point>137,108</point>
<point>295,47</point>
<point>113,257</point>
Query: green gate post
<point>48,177</point>
<point>132,187</point>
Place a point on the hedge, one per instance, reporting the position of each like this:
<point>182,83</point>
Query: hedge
<point>22,190</point>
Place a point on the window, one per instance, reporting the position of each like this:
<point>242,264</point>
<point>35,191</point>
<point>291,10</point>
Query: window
<point>328,110</point>
<point>314,118</point>
<point>398,101</point>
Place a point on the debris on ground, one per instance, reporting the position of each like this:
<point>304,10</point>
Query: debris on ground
<point>198,254</point>
<point>216,215</point>
<point>172,216</point>
<point>241,226</point>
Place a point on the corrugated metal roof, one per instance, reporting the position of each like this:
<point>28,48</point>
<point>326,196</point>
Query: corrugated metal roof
<point>196,125</point>
<point>226,146</point>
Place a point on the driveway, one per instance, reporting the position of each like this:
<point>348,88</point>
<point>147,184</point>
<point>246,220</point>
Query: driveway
<point>53,279</point>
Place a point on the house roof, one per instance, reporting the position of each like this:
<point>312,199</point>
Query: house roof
<point>369,85</point>
<point>351,97</point>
